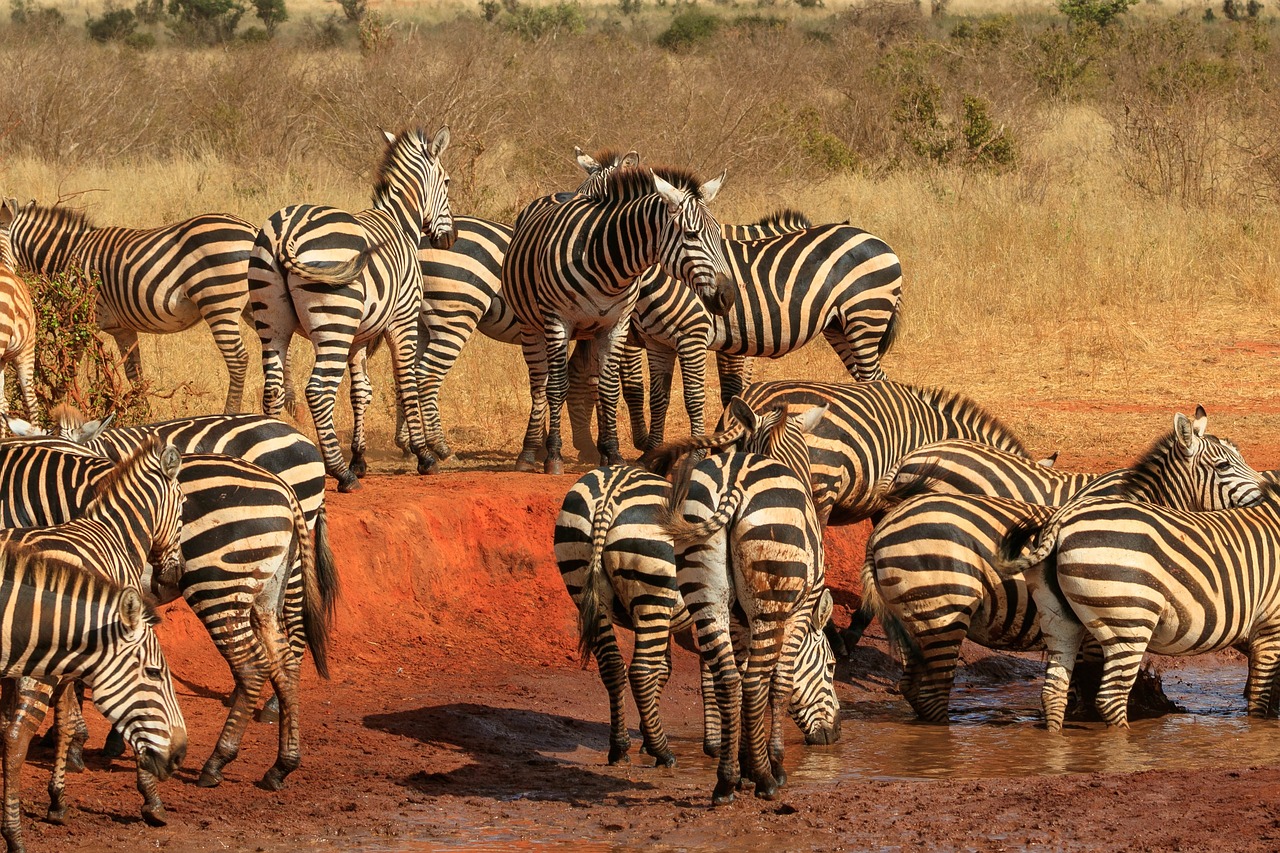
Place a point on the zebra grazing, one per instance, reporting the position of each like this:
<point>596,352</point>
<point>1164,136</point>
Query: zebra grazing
<point>619,564</point>
<point>1137,577</point>
<point>155,281</point>
<point>250,573</point>
<point>17,326</point>
<point>570,272</point>
<point>930,572</point>
<point>346,280</point>
<point>461,293</point>
<point>133,523</point>
<point>869,426</point>
<point>62,622</point>
<point>747,535</point>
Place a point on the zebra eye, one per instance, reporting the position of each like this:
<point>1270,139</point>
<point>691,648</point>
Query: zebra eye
<point>155,673</point>
<point>1224,465</point>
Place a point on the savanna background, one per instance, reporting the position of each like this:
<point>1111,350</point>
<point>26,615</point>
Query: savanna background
<point>1085,198</point>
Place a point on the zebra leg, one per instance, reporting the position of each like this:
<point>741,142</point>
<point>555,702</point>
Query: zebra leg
<point>285,668</point>
<point>223,318</point>
<point>934,674</point>
<point>1062,637</point>
<point>322,392</point>
<point>735,373</point>
<point>18,730</point>
<point>127,343</point>
<point>662,366</point>
<point>233,636</point>
<point>692,351</point>
<point>1264,663</point>
<point>649,665</point>
<point>534,349</point>
<point>557,360</point>
<point>66,716</point>
<point>712,730</point>
<point>858,346</point>
<point>1121,662</point>
<point>26,370</point>
<point>584,380</point>
<point>613,672</point>
<point>440,343</point>
<point>632,372</point>
<point>609,343</point>
<point>361,397</point>
<point>402,341</point>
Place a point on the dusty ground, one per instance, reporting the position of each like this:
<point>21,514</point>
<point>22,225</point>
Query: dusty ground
<point>458,716</point>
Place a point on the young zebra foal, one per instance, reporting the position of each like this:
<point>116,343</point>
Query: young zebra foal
<point>747,533</point>
<point>62,622</point>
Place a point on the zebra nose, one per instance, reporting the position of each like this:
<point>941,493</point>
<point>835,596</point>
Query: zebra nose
<point>445,240</point>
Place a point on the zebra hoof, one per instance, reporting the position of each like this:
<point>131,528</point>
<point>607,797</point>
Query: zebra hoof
<point>526,466</point>
<point>75,759</point>
<point>553,466</point>
<point>711,749</point>
<point>427,464</point>
<point>442,451</point>
<point>114,747</point>
<point>358,467</point>
<point>209,778</point>
<point>723,794</point>
<point>56,816</point>
<point>155,817</point>
<point>269,714</point>
<point>618,755</point>
<point>272,780</point>
<point>666,759</point>
<point>766,791</point>
<point>348,483</point>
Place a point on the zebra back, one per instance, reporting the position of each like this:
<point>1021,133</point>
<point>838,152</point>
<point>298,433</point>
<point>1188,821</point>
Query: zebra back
<point>1186,469</point>
<point>868,426</point>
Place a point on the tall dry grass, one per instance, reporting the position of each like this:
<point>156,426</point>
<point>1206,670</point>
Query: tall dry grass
<point>1123,259</point>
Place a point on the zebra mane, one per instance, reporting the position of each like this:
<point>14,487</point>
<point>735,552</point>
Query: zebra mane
<point>382,177</point>
<point>609,156</point>
<point>63,217</point>
<point>1130,481</point>
<point>151,444</point>
<point>635,182</point>
<point>785,218</point>
<point>41,569</point>
<point>959,406</point>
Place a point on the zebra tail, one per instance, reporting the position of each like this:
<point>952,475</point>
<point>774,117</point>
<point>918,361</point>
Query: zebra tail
<point>890,336</point>
<point>687,533</point>
<point>891,490</point>
<point>873,606</point>
<point>317,612</point>
<point>1011,560</point>
<point>663,459</point>
<point>595,589</point>
<point>336,274</point>
<point>326,568</point>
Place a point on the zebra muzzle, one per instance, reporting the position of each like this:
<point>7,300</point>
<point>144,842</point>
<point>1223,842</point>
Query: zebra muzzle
<point>445,239</point>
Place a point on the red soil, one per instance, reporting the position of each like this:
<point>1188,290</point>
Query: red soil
<point>458,712</point>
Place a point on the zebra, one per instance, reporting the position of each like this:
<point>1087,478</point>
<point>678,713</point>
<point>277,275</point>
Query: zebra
<point>251,573</point>
<point>17,325</point>
<point>461,294</point>
<point>616,559</point>
<point>345,280</point>
<point>133,522</point>
<point>869,426</point>
<point>153,281</point>
<point>570,272</point>
<point>930,571</point>
<point>747,535</point>
<point>62,622</point>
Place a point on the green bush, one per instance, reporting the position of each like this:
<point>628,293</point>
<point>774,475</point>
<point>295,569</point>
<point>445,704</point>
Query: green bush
<point>1098,12</point>
<point>689,29</point>
<point>28,13</point>
<point>272,13</point>
<point>114,24</point>
<point>988,145</point>
<point>538,22</point>
<point>204,21</point>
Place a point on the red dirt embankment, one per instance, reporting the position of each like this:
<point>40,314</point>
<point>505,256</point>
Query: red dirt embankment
<point>457,711</point>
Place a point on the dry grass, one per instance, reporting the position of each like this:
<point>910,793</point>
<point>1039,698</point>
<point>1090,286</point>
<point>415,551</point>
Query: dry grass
<point>1080,307</point>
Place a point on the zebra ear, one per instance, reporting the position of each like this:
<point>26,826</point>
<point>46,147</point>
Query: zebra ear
<point>388,135</point>
<point>18,426</point>
<point>739,411</point>
<point>90,430</point>
<point>1048,461</point>
<point>808,420</point>
<point>669,193</point>
<point>822,610</point>
<point>588,163</point>
<point>441,142</point>
<point>170,461</point>
<point>630,159</point>
<point>711,188</point>
<point>1202,420</point>
<point>132,609</point>
<point>8,212</point>
<point>1185,433</point>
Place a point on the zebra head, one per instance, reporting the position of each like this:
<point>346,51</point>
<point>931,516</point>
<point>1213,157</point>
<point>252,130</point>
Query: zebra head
<point>814,705</point>
<point>1193,470</point>
<point>413,185</point>
<point>134,689</point>
<point>600,167</point>
<point>691,247</point>
<point>166,542</point>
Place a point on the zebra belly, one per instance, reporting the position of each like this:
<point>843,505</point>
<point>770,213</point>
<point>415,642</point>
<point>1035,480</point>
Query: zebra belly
<point>176,313</point>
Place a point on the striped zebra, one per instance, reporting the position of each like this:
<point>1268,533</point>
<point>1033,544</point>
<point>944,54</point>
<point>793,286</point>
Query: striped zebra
<point>17,325</point>
<point>62,622</point>
<point>461,294</point>
<point>1137,577</point>
<point>154,281</point>
<point>930,571</point>
<point>134,522</point>
<point>346,280</point>
<point>869,426</point>
<point>250,573</point>
<point>571,271</point>
<point>747,535</point>
<point>619,564</point>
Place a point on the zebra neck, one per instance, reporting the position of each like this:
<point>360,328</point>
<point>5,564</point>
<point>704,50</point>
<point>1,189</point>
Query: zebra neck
<point>407,212</point>
<point>134,527</point>
<point>62,624</point>
<point>54,251</point>
<point>626,242</point>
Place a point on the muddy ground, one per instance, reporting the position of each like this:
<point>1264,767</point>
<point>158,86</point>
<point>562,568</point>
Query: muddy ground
<point>458,716</point>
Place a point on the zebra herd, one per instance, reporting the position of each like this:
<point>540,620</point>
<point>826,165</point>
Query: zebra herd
<point>722,533</point>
